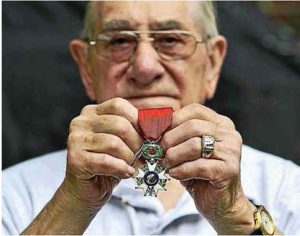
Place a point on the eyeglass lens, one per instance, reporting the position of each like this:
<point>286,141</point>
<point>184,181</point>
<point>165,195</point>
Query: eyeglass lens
<point>170,46</point>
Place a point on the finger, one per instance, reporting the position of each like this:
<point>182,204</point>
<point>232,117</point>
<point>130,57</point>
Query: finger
<point>187,151</point>
<point>191,150</point>
<point>198,111</point>
<point>228,150</point>
<point>206,169</point>
<point>119,107</point>
<point>102,143</point>
<point>190,129</point>
<point>89,109</point>
<point>118,126</point>
<point>104,164</point>
<point>113,124</point>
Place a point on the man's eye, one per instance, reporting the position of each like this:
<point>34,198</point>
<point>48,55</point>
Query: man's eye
<point>169,40</point>
<point>121,41</point>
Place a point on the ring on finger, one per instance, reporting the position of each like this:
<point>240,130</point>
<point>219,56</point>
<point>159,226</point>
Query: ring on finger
<point>208,146</point>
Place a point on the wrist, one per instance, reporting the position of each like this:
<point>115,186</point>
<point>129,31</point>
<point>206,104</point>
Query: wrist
<point>71,201</point>
<point>239,220</point>
<point>82,196</point>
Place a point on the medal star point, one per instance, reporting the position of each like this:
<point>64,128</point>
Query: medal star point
<point>162,175</point>
<point>151,167</point>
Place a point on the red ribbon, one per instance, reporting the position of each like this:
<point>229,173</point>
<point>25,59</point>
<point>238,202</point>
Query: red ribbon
<point>154,122</point>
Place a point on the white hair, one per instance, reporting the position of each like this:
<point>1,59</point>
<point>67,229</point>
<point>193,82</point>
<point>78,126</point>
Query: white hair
<point>205,16</point>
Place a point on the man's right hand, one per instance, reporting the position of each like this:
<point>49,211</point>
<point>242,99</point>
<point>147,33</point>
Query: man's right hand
<point>101,146</point>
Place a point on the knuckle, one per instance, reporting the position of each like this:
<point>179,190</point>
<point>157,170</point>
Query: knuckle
<point>234,138</point>
<point>123,166</point>
<point>74,159</point>
<point>232,148</point>
<point>225,121</point>
<point>235,150</point>
<point>123,127</point>
<point>115,144</point>
<point>76,123</point>
<point>166,141</point>
<point>168,156</point>
<point>87,109</point>
<point>118,104</point>
<point>106,160</point>
<point>195,144</point>
<point>74,138</point>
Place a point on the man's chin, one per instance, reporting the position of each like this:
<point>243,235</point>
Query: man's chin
<point>155,102</point>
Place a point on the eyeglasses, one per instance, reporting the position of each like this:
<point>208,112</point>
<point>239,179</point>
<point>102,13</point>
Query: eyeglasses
<point>121,45</point>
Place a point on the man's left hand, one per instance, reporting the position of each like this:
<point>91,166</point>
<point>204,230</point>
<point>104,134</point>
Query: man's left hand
<point>215,182</point>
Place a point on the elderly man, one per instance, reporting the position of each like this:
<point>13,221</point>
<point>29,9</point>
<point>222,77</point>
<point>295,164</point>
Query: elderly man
<point>137,55</point>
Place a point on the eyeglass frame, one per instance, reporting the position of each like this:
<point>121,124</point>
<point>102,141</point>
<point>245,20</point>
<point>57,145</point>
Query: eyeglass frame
<point>137,35</point>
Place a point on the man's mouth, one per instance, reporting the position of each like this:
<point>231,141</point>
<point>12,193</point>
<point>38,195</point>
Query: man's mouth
<point>155,101</point>
<point>145,96</point>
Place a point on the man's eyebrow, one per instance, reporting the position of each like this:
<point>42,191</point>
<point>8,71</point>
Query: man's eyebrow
<point>168,25</point>
<point>116,25</point>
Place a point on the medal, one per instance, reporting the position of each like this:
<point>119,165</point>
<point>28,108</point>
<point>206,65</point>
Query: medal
<point>153,123</point>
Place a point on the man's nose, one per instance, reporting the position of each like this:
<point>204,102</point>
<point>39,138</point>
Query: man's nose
<point>146,65</point>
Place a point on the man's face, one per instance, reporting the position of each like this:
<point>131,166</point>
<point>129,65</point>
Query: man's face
<point>147,80</point>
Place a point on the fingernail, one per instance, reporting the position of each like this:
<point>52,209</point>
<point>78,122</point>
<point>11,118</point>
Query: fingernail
<point>131,170</point>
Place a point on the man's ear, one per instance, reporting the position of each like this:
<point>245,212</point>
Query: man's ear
<point>217,48</point>
<point>79,52</point>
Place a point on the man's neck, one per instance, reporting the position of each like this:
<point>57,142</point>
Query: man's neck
<point>170,197</point>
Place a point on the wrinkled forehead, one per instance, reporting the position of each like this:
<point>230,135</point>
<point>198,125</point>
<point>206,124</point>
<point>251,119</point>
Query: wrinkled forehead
<point>143,15</point>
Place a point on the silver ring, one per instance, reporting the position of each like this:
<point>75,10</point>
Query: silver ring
<point>208,146</point>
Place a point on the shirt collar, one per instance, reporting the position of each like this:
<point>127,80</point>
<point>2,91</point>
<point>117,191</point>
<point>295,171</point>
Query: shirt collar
<point>127,194</point>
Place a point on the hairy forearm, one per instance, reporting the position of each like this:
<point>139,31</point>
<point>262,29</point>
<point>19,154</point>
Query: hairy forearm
<point>62,215</point>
